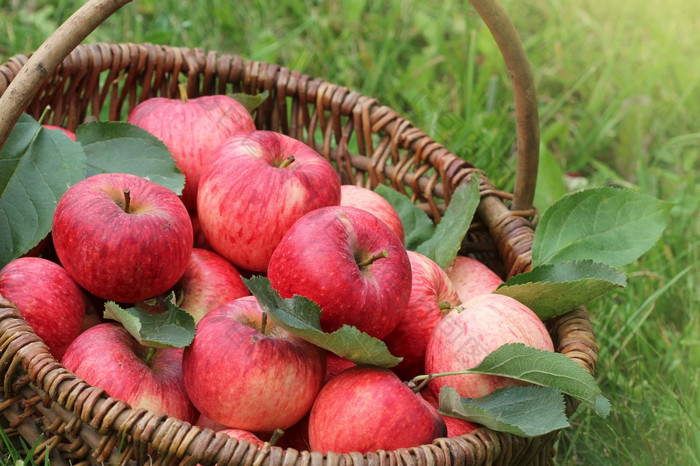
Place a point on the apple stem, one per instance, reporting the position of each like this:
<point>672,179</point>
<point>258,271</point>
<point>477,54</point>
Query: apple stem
<point>127,200</point>
<point>373,258</point>
<point>183,92</point>
<point>149,356</point>
<point>276,435</point>
<point>263,325</point>
<point>286,162</point>
<point>445,307</point>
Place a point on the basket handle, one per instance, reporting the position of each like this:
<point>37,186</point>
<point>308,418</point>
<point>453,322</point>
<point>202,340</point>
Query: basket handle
<point>49,55</point>
<point>44,61</point>
<point>526,114</point>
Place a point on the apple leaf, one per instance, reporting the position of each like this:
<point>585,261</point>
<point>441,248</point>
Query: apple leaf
<point>417,226</point>
<point>547,369</point>
<point>302,317</point>
<point>443,246</point>
<point>120,147</point>
<point>522,411</point>
<point>36,167</point>
<point>609,225</point>
<point>173,328</point>
<point>553,289</point>
<point>251,102</point>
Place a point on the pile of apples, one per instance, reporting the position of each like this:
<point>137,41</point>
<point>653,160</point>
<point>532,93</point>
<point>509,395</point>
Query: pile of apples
<point>261,203</point>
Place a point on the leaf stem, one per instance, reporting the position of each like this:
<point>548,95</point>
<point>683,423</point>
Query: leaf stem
<point>263,325</point>
<point>276,435</point>
<point>373,258</point>
<point>420,381</point>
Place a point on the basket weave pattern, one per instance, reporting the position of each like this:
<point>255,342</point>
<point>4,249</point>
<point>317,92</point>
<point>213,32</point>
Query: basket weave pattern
<point>368,143</point>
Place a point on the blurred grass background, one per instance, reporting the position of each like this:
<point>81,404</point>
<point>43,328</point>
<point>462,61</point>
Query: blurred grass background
<point>619,92</point>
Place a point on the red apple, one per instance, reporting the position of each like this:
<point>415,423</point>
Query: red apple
<point>242,376</point>
<point>108,357</point>
<point>455,426</point>
<point>336,364</point>
<point>368,408</point>
<point>69,133</point>
<point>472,278</point>
<point>348,262</point>
<point>48,299</point>
<point>125,256</point>
<point>200,241</point>
<point>254,188</point>
<point>209,280</point>
<point>366,199</point>
<point>462,339</point>
<point>432,296</point>
<point>192,129</point>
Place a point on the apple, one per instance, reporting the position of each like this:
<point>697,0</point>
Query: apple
<point>67,132</point>
<point>366,199</point>
<point>455,426</point>
<point>240,434</point>
<point>336,364</point>
<point>254,188</point>
<point>348,262</point>
<point>246,374</point>
<point>122,237</point>
<point>369,408</point>
<point>462,339</point>
<point>108,357</point>
<point>432,296</point>
<point>192,129</point>
<point>209,280</point>
<point>200,241</point>
<point>471,277</point>
<point>48,299</point>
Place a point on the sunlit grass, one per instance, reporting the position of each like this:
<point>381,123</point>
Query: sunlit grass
<point>619,91</point>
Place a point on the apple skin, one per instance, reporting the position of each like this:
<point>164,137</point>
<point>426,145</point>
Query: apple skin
<point>455,426</point>
<point>432,295</point>
<point>336,364</point>
<point>191,129</point>
<point>48,299</point>
<point>462,339</point>
<point>239,377</point>
<point>248,199</point>
<point>67,132</point>
<point>471,277</point>
<point>366,199</point>
<point>107,349</point>
<point>368,408</point>
<point>319,258</point>
<point>209,280</point>
<point>124,257</point>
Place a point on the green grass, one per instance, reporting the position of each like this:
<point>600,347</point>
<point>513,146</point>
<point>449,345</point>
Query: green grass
<point>619,92</point>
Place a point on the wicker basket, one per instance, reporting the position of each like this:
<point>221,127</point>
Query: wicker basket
<point>80,424</point>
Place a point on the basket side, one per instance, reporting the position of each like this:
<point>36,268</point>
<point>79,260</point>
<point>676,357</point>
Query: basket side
<point>368,143</point>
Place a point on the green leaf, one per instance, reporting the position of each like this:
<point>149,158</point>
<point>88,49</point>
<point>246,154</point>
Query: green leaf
<point>417,226</point>
<point>609,225</point>
<point>522,411</point>
<point>120,147</point>
<point>36,167</point>
<point>302,317</point>
<point>552,289</point>
<point>251,102</point>
<point>173,328</point>
<point>550,180</point>
<point>444,244</point>
<point>547,369</point>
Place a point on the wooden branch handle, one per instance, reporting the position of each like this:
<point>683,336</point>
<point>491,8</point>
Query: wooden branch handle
<point>527,120</point>
<point>48,56</point>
